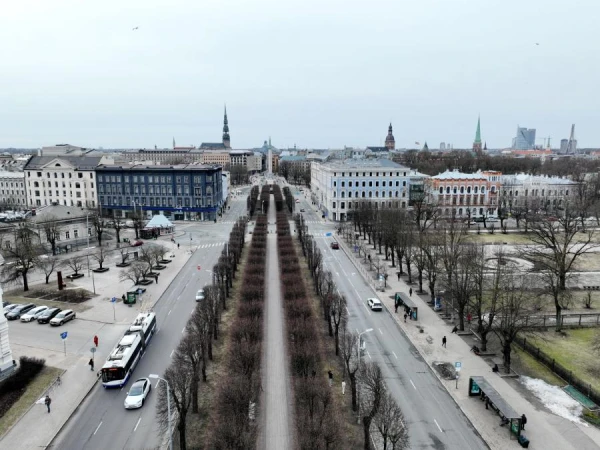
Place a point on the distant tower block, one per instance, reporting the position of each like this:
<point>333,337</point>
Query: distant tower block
<point>477,147</point>
<point>390,142</point>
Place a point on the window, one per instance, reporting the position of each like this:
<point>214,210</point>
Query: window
<point>80,175</point>
<point>67,235</point>
<point>334,183</point>
<point>462,189</point>
<point>334,205</point>
<point>89,231</point>
<point>447,189</point>
<point>75,233</point>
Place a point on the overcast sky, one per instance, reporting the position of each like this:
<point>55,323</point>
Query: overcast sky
<point>315,73</point>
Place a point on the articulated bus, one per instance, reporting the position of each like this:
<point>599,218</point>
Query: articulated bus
<point>122,360</point>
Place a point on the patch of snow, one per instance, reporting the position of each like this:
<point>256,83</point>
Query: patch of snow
<point>555,399</point>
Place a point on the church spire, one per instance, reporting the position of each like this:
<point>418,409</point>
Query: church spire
<point>390,142</point>
<point>477,141</point>
<point>226,139</point>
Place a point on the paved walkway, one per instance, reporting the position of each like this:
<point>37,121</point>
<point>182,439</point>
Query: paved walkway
<point>544,430</point>
<point>276,424</point>
<point>37,428</point>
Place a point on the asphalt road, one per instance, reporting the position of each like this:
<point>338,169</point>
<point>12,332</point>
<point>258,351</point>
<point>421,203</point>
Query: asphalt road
<point>101,421</point>
<point>435,421</point>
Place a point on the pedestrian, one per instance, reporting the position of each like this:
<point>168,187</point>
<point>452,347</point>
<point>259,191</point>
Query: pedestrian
<point>178,245</point>
<point>156,278</point>
<point>396,307</point>
<point>330,373</point>
<point>455,329</point>
<point>469,317</point>
<point>405,316</point>
<point>47,401</point>
<point>343,387</point>
<point>96,341</point>
<point>91,364</point>
<point>444,342</point>
<point>410,292</point>
<point>398,273</point>
<point>523,421</point>
<point>123,298</point>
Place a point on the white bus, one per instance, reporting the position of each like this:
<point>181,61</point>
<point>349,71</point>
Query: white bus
<point>144,323</point>
<point>122,360</point>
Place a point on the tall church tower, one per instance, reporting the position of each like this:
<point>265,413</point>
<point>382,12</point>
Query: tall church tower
<point>390,142</point>
<point>477,141</point>
<point>226,140</point>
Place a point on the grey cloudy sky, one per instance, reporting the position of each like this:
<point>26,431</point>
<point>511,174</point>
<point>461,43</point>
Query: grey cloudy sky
<point>316,73</point>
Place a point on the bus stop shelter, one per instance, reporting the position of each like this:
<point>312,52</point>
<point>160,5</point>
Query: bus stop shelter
<point>401,299</point>
<point>479,386</point>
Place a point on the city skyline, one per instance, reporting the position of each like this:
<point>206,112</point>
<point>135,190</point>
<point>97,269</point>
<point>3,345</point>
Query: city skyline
<point>134,77</point>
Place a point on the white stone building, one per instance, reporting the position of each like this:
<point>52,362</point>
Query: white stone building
<point>12,191</point>
<point>537,192</point>
<point>62,180</point>
<point>339,187</point>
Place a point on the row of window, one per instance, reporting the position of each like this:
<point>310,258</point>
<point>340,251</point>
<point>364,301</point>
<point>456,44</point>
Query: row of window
<point>12,192</point>
<point>383,204</point>
<point>448,212</point>
<point>155,201</point>
<point>364,174</point>
<point>364,183</point>
<point>62,175</point>
<point>536,192</point>
<point>77,185</point>
<point>370,194</point>
<point>78,203</point>
<point>456,189</point>
<point>18,185</point>
<point>152,189</point>
<point>68,234</point>
<point>467,201</point>
<point>64,194</point>
<point>153,178</point>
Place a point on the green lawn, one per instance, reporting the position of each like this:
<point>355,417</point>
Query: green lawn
<point>498,238</point>
<point>573,350</point>
<point>531,367</point>
<point>36,389</point>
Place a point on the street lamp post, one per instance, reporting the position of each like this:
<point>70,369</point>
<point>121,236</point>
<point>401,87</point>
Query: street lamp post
<point>87,251</point>
<point>155,376</point>
<point>368,330</point>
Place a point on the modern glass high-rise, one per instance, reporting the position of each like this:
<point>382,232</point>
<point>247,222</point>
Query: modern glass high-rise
<point>525,139</point>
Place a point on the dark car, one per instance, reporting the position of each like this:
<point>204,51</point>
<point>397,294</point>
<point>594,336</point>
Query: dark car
<point>335,245</point>
<point>48,315</point>
<point>16,313</point>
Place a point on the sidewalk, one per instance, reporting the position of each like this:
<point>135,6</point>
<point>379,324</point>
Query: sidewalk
<point>544,430</point>
<point>37,428</point>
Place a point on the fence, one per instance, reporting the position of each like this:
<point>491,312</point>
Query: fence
<point>566,320</point>
<point>566,374</point>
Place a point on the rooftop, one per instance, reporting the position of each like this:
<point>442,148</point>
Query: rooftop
<point>12,174</point>
<point>78,162</point>
<point>456,175</point>
<point>157,167</point>
<point>364,164</point>
<point>58,212</point>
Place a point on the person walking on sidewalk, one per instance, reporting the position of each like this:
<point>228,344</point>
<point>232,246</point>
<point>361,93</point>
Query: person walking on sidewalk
<point>91,364</point>
<point>330,373</point>
<point>405,316</point>
<point>47,401</point>
<point>398,273</point>
<point>410,292</point>
<point>96,341</point>
<point>396,306</point>
<point>455,329</point>
<point>343,387</point>
<point>523,421</point>
<point>444,342</point>
<point>156,278</point>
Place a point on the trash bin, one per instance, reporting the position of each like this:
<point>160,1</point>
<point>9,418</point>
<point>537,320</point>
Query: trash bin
<point>523,441</point>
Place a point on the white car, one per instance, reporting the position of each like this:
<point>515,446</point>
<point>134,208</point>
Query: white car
<point>62,317</point>
<point>374,304</point>
<point>200,295</point>
<point>138,393</point>
<point>33,314</point>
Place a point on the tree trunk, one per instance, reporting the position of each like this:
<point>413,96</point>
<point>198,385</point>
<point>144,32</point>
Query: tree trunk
<point>367,432</point>
<point>558,315</point>
<point>420,281</point>
<point>181,426</point>
<point>484,340</point>
<point>25,283</point>
<point>330,319</point>
<point>506,352</point>
<point>352,378</point>
<point>337,340</point>
<point>409,271</point>
<point>432,290</point>
<point>195,391</point>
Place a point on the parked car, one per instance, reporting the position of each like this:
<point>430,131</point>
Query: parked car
<point>137,243</point>
<point>138,393</point>
<point>374,304</point>
<point>16,313</point>
<point>48,315</point>
<point>33,314</point>
<point>9,307</point>
<point>302,210</point>
<point>200,295</point>
<point>335,245</point>
<point>62,317</point>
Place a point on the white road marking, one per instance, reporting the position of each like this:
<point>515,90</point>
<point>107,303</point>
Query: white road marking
<point>380,332</point>
<point>172,351</point>
<point>137,424</point>
<point>183,331</point>
<point>192,312</point>
<point>97,428</point>
<point>394,355</point>
<point>438,425</point>
<point>369,354</point>
<point>169,312</point>
<point>347,310</point>
<point>413,384</point>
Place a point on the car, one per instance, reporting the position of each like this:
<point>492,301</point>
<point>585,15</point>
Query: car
<point>297,200</point>
<point>200,295</point>
<point>137,243</point>
<point>16,313</point>
<point>374,304</point>
<point>48,315</point>
<point>9,307</point>
<point>62,317</point>
<point>33,314</point>
<point>335,245</point>
<point>137,393</point>
<point>493,219</point>
<point>302,210</point>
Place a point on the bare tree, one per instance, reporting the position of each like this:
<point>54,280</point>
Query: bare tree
<point>180,384</point>
<point>52,230</point>
<point>75,263</point>
<point>99,226</point>
<point>372,393</point>
<point>199,329</point>
<point>391,424</point>
<point>118,225</point>
<point>100,256</point>
<point>124,255</point>
<point>135,272</point>
<point>349,351</point>
<point>338,317</point>
<point>48,265</point>
<point>462,286</point>
<point>556,247</point>
<point>137,223</point>
<point>24,255</point>
<point>192,358</point>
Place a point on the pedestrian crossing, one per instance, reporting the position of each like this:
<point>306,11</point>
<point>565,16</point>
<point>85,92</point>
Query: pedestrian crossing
<point>218,244</point>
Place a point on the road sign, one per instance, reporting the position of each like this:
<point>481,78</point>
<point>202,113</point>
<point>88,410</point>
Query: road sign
<point>458,366</point>
<point>63,335</point>
<point>93,349</point>
<point>113,300</point>
<point>199,268</point>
